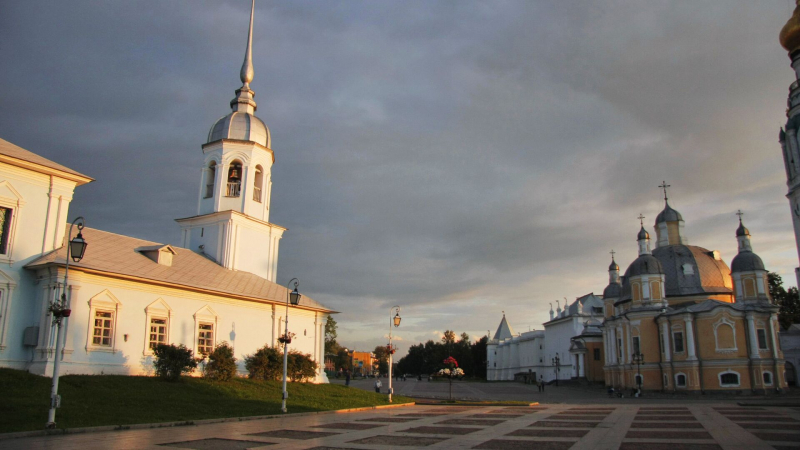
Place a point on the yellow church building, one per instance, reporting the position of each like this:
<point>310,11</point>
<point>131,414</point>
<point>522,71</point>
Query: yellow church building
<point>680,319</point>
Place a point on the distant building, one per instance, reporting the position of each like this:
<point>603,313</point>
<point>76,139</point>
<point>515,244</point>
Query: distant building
<point>363,362</point>
<point>127,295</point>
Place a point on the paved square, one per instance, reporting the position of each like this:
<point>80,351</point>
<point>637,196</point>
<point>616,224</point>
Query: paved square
<point>630,424</point>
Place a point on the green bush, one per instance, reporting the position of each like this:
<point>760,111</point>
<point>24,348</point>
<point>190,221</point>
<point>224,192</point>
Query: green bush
<point>264,364</point>
<point>300,366</point>
<point>221,363</point>
<point>172,361</point>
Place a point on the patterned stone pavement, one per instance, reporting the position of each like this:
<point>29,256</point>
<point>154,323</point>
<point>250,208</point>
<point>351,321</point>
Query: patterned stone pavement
<point>636,425</point>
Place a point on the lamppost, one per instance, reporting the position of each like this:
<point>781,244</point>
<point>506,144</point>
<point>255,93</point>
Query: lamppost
<point>396,322</point>
<point>556,362</point>
<point>638,358</point>
<point>286,339</point>
<point>60,309</point>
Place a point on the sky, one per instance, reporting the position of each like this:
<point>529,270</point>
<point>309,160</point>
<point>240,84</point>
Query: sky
<point>459,159</point>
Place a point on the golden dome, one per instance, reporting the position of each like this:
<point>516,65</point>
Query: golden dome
<point>790,33</point>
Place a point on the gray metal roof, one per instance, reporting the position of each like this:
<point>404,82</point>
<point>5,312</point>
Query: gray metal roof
<point>242,126</point>
<point>707,275</point>
<point>16,152</point>
<point>668,215</point>
<point>504,330</point>
<point>746,261</point>
<point>613,290</point>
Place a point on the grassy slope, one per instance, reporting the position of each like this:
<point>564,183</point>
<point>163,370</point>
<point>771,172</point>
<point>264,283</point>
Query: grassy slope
<point>121,400</point>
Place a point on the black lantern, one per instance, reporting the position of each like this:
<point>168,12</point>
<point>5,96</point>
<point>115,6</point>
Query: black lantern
<point>294,297</point>
<point>77,247</point>
<point>397,319</point>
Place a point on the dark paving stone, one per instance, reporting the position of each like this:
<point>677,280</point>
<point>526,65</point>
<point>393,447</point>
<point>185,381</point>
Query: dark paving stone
<point>766,426</point>
<point>294,434</point>
<point>666,446</point>
<point>517,410</point>
<point>420,415</point>
<point>678,425</point>
<point>548,433</point>
<point>672,418</point>
<point>764,419</point>
<point>217,444</point>
<point>441,430</point>
<point>664,413</point>
<point>580,417</point>
<point>663,408</point>
<point>507,444</point>
<point>589,408</point>
<point>743,415</point>
<point>585,411</point>
<point>559,424</point>
<point>349,426</point>
<point>737,408</point>
<point>669,434</point>
<point>332,448</point>
<point>449,410</point>
<point>494,416</point>
<point>471,422</point>
<point>781,437</point>
<point>390,419</point>
<point>785,447</point>
<point>399,441</point>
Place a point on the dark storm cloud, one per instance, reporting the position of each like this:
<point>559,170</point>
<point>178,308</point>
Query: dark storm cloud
<point>458,158</point>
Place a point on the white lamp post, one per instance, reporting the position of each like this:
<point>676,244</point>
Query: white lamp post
<point>60,309</point>
<point>294,297</point>
<point>396,322</point>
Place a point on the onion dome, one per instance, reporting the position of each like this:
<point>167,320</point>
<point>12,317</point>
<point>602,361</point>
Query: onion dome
<point>790,33</point>
<point>668,215</point>
<point>613,290</point>
<point>613,265</point>
<point>746,261</point>
<point>644,265</point>
<point>643,234</point>
<point>241,124</point>
<point>742,230</point>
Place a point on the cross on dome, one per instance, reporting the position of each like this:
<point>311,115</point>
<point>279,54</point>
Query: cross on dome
<point>641,220</point>
<point>740,214</point>
<point>664,186</point>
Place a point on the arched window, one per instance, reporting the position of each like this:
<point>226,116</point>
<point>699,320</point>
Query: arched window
<point>725,335</point>
<point>211,175</point>
<point>258,184</point>
<point>729,379</point>
<point>680,380</point>
<point>767,376</point>
<point>234,179</point>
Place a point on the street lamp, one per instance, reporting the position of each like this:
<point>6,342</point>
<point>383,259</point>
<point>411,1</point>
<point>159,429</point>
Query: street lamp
<point>286,339</point>
<point>638,358</point>
<point>556,362</point>
<point>396,322</point>
<point>60,309</point>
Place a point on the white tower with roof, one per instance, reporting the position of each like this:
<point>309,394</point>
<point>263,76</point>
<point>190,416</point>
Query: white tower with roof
<point>232,223</point>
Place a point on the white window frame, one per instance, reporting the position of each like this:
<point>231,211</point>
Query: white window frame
<point>676,331</point>
<point>771,378</point>
<point>159,309</point>
<point>10,198</point>
<point>104,301</point>
<point>738,377</point>
<point>204,315</point>
<point>685,379</point>
<point>7,285</point>
<point>726,322</point>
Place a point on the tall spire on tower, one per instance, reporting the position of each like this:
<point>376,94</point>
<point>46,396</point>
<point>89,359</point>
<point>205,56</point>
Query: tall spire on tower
<point>247,72</point>
<point>244,95</point>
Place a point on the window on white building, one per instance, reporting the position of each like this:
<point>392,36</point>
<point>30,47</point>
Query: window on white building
<point>103,329</point>
<point>158,331</point>
<point>5,229</point>
<point>104,310</point>
<point>205,338</point>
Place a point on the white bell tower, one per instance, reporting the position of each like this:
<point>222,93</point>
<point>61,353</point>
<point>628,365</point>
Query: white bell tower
<point>232,222</point>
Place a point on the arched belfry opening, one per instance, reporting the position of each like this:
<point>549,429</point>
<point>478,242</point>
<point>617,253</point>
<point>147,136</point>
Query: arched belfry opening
<point>234,179</point>
<point>258,184</point>
<point>211,175</point>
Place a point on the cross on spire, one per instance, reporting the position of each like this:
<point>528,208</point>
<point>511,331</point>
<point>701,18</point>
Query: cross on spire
<point>740,214</point>
<point>641,219</point>
<point>664,186</point>
<point>612,254</point>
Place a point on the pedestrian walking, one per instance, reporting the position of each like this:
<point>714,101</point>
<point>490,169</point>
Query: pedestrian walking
<point>378,386</point>
<point>347,378</point>
<point>541,383</point>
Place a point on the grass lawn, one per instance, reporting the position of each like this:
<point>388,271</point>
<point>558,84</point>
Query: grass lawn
<point>93,400</point>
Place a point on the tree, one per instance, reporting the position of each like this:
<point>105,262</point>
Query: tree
<point>343,360</point>
<point>265,364</point>
<point>381,359</point>
<point>449,337</point>
<point>300,366</point>
<point>788,301</point>
<point>331,346</point>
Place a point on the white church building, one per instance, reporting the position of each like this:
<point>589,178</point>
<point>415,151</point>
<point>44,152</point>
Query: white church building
<point>557,351</point>
<point>128,295</point>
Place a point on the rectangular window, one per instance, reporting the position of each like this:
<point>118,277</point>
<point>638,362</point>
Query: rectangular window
<point>5,229</point>
<point>619,348</point>
<point>205,338</point>
<point>762,339</point>
<point>636,345</point>
<point>158,331</point>
<point>677,337</point>
<point>103,328</point>
<point>597,354</point>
